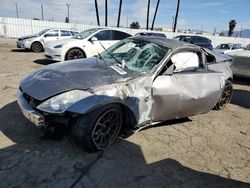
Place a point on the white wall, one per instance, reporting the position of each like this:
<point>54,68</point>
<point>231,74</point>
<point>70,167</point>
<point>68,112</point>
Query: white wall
<point>17,27</point>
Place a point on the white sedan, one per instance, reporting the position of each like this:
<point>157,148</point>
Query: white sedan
<point>85,44</point>
<point>228,48</point>
<point>37,41</point>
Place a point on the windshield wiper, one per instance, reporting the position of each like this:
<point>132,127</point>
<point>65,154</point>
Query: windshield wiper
<point>112,55</point>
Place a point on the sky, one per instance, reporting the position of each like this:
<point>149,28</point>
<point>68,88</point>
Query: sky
<point>203,15</point>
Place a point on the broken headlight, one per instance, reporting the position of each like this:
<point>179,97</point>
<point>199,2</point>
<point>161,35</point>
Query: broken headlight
<point>62,102</point>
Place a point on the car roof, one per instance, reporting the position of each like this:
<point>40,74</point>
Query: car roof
<point>165,42</point>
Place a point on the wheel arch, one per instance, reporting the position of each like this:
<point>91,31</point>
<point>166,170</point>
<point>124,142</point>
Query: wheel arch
<point>65,55</point>
<point>94,102</point>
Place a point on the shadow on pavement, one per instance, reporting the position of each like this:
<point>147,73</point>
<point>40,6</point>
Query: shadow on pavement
<point>21,50</point>
<point>241,98</point>
<point>44,61</point>
<point>31,162</point>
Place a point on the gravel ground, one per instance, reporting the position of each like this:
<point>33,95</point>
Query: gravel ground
<point>209,150</point>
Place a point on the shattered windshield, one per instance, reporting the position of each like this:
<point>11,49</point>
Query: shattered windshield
<point>86,33</point>
<point>136,55</point>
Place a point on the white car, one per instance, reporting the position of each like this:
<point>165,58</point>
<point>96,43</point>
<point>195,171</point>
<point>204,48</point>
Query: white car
<point>85,44</point>
<point>37,41</point>
<point>228,47</point>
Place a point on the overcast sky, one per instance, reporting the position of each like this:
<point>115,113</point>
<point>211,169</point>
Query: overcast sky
<point>194,14</point>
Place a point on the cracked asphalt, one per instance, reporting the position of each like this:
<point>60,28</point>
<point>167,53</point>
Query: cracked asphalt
<point>208,150</point>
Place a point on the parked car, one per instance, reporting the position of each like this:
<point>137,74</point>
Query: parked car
<point>36,42</point>
<point>228,47</point>
<point>156,34</point>
<point>198,40</point>
<point>137,81</point>
<point>241,62</point>
<point>85,44</point>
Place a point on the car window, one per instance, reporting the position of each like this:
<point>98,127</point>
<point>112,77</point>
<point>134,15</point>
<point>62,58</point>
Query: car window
<point>53,33</point>
<point>185,61</point>
<point>104,35</point>
<point>224,46</point>
<point>118,35</point>
<point>136,55</point>
<point>65,33</point>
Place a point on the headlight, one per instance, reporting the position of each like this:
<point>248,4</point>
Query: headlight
<point>62,102</point>
<point>58,46</point>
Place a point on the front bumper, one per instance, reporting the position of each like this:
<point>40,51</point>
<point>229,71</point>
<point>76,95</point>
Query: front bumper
<point>20,44</point>
<point>52,54</point>
<point>32,115</point>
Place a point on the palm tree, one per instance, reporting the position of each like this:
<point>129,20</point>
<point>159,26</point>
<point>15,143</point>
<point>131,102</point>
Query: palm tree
<point>232,25</point>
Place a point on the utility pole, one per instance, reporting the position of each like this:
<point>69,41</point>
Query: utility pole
<point>68,5</point>
<point>42,11</point>
<point>106,13</point>
<point>97,13</point>
<point>241,29</point>
<point>176,16</point>
<point>17,11</point>
<point>148,14</point>
<point>158,2</point>
<point>119,14</point>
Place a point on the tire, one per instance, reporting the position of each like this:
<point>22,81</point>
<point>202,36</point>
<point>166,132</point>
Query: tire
<point>75,53</point>
<point>226,96</point>
<point>99,129</point>
<point>36,47</point>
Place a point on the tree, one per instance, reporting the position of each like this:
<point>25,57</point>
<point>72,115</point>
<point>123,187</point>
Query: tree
<point>135,25</point>
<point>232,25</point>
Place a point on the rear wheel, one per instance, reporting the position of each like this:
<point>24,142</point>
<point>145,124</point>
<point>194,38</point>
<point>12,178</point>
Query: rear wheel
<point>226,96</point>
<point>75,53</point>
<point>99,129</point>
<point>37,47</point>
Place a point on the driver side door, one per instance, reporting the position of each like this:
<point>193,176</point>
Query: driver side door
<point>191,88</point>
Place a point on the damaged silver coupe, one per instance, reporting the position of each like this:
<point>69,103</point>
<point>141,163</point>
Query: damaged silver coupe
<point>136,82</point>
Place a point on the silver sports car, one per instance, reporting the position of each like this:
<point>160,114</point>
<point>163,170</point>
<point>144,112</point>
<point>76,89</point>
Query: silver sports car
<point>136,82</point>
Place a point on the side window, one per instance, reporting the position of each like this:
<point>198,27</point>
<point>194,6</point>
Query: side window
<point>185,61</point>
<point>53,33</point>
<point>104,35</point>
<point>118,35</point>
<point>65,33</point>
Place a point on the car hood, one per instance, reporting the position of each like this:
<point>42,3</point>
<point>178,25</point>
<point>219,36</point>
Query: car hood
<point>27,37</point>
<point>78,74</point>
<point>62,42</point>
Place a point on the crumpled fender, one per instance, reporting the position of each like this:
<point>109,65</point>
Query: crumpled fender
<point>92,102</point>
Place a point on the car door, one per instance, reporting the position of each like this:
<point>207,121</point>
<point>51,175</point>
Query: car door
<point>101,40</point>
<point>64,34</point>
<point>51,35</point>
<point>191,89</point>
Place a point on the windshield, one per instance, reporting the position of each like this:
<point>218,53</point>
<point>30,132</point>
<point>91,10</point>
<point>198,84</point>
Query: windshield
<point>136,55</point>
<point>42,32</point>
<point>86,33</point>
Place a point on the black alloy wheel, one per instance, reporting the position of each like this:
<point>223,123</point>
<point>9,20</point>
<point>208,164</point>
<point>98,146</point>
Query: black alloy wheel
<point>75,54</point>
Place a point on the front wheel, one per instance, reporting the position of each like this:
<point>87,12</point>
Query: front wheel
<point>37,47</point>
<point>99,129</point>
<point>226,96</point>
<point>75,54</point>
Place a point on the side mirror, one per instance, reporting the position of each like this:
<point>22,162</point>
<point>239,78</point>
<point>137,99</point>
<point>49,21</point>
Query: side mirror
<point>93,39</point>
<point>45,35</point>
<point>170,70</point>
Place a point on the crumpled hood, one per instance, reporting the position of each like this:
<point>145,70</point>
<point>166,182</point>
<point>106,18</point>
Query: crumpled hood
<point>78,74</point>
<point>27,37</point>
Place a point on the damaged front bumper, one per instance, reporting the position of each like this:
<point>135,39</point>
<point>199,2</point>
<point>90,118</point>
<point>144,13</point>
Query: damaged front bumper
<point>32,115</point>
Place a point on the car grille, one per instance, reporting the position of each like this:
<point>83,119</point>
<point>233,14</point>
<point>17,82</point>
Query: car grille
<point>32,101</point>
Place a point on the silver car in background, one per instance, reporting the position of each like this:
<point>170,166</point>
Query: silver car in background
<point>37,41</point>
